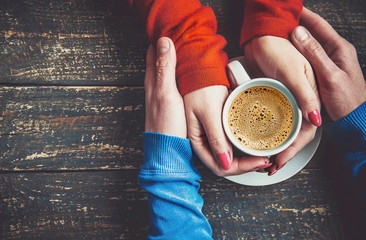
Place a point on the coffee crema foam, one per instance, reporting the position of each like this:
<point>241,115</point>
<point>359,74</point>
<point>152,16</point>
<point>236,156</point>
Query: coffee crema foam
<point>261,118</point>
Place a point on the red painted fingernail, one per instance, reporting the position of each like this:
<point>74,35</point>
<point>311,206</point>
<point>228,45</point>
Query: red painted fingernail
<point>225,160</point>
<point>265,166</point>
<point>271,173</point>
<point>281,167</point>
<point>315,118</point>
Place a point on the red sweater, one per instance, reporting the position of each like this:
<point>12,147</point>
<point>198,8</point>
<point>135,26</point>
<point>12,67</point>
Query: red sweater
<point>270,17</point>
<point>201,61</point>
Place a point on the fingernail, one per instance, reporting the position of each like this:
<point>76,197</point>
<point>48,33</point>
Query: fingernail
<point>225,160</point>
<point>281,166</point>
<point>315,118</point>
<point>265,166</point>
<point>163,45</point>
<point>271,173</point>
<point>301,34</point>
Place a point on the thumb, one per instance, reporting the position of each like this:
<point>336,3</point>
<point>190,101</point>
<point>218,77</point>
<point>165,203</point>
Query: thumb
<point>165,64</point>
<point>219,144</point>
<point>210,119</point>
<point>314,52</point>
<point>304,87</point>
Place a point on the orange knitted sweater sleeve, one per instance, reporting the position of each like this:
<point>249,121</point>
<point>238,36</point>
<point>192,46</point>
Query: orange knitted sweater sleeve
<point>201,60</point>
<point>269,17</point>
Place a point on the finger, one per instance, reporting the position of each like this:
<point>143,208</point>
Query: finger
<point>301,81</point>
<point>203,151</point>
<point>204,116</point>
<point>314,52</point>
<point>165,64</point>
<point>247,164</point>
<point>320,29</point>
<point>250,163</point>
<point>238,165</point>
<point>337,48</point>
<point>306,135</point>
<point>221,152</point>
<point>219,144</point>
<point>200,144</point>
<point>307,96</point>
<point>202,148</point>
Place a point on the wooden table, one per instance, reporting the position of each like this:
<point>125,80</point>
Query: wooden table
<point>72,114</point>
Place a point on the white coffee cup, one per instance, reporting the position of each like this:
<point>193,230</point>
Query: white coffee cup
<point>241,81</point>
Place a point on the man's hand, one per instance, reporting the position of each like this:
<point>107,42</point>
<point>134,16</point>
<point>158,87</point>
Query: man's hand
<point>164,105</point>
<point>342,86</point>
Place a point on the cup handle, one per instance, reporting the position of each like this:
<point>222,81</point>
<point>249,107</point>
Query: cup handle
<point>237,74</point>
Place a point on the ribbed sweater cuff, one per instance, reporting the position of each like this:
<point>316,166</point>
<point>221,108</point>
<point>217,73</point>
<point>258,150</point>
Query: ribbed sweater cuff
<point>164,155</point>
<point>350,132</point>
<point>269,17</point>
<point>205,77</point>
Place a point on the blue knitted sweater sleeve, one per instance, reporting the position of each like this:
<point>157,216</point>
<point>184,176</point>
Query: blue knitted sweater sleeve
<point>350,134</point>
<point>171,182</point>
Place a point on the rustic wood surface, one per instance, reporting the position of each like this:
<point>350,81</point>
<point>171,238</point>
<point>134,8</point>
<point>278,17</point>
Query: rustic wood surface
<point>72,114</point>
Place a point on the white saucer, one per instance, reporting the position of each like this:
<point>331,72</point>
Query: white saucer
<point>290,169</point>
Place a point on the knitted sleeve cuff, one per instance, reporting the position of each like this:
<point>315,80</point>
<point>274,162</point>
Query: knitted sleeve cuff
<point>350,132</point>
<point>166,155</point>
<point>269,17</point>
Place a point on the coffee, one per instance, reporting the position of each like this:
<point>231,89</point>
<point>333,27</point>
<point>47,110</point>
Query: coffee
<point>261,118</point>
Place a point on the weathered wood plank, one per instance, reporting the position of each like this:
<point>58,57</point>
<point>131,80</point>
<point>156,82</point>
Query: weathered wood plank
<point>302,207</point>
<point>71,128</point>
<point>81,205</point>
<point>70,42</point>
<point>110,205</point>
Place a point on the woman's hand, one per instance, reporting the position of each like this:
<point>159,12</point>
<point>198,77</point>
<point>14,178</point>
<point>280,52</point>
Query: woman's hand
<point>204,119</point>
<point>277,58</point>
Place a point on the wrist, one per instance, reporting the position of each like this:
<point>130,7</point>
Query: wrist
<point>164,154</point>
<point>350,131</point>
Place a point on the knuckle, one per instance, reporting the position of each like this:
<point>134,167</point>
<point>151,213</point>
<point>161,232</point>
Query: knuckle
<point>314,48</point>
<point>313,101</point>
<point>218,171</point>
<point>310,136</point>
<point>349,49</point>
<point>344,48</point>
<point>214,141</point>
<point>217,143</point>
<point>162,63</point>
<point>336,79</point>
<point>161,71</point>
<point>195,138</point>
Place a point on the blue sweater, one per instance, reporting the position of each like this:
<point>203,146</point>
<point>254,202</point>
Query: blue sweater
<point>171,182</point>
<point>170,179</point>
<point>350,134</point>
